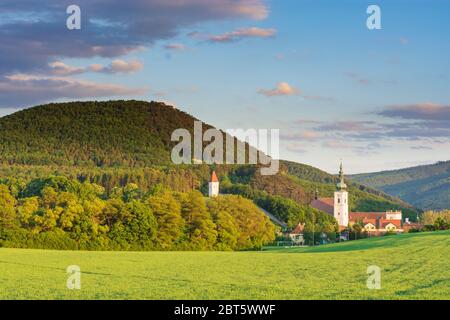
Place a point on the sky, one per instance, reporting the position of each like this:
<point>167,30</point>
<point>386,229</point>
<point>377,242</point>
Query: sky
<point>377,99</point>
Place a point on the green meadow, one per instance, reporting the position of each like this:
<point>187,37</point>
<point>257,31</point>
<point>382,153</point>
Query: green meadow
<point>413,266</point>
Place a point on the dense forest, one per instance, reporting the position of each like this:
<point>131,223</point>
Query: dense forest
<point>83,174</point>
<point>58,213</point>
<point>427,187</point>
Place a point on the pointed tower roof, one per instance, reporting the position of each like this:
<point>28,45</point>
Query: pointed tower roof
<point>341,185</point>
<point>214,177</point>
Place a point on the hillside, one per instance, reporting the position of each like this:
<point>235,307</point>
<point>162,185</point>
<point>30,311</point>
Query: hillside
<point>426,187</point>
<point>114,133</point>
<point>414,266</point>
<point>114,143</point>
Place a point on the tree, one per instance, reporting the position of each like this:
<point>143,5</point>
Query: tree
<point>254,229</point>
<point>168,215</point>
<point>200,228</point>
<point>441,224</point>
<point>8,217</point>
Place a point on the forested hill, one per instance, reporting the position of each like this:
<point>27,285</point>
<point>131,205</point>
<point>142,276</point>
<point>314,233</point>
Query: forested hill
<point>113,133</point>
<point>115,143</point>
<point>426,187</point>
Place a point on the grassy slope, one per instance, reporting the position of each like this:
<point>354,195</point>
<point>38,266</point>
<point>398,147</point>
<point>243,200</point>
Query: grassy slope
<point>426,187</point>
<point>413,266</point>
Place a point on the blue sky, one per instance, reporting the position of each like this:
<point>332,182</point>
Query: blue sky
<point>378,99</point>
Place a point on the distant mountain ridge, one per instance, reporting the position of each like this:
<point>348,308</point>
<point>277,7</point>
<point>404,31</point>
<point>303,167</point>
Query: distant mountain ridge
<point>425,187</point>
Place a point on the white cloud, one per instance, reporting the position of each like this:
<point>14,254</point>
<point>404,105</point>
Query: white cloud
<point>59,68</point>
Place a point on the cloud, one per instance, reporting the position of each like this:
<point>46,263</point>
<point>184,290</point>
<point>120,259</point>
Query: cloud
<point>59,68</point>
<point>421,148</point>
<point>38,35</point>
<point>372,131</point>
<point>242,33</point>
<point>422,111</point>
<point>22,89</point>
<point>349,126</point>
<point>336,144</point>
<point>282,89</point>
<point>303,135</point>
<point>296,147</point>
<point>175,47</point>
<point>118,66</point>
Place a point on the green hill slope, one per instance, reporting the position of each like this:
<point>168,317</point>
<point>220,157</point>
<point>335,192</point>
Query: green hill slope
<point>413,266</point>
<point>426,187</point>
<point>118,142</point>
<point>131,133</point>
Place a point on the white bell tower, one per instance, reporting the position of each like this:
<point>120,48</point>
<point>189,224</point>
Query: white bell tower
<point>213,190</point>
<point>341,201</point>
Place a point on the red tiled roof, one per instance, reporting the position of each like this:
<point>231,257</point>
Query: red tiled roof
<point>214,177</point>
<point>384,223</point>
<point>357,216</point>
<point>372,221</point>
<point>324,204</point>
<point>298,229</point>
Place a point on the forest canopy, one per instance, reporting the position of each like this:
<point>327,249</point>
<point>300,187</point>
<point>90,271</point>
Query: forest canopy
<point>59,213</point>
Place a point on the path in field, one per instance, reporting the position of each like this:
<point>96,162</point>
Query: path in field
<point>413,266</point>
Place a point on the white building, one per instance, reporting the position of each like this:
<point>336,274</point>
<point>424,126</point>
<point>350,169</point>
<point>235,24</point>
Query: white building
<point>213,190</point>
<point>341,201</point>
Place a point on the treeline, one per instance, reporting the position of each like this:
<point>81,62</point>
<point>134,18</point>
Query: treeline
<point>434,221</point>
<point>60,213</point>
<point>181,178</point>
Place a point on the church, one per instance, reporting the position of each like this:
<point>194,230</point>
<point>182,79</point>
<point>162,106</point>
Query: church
<point>374,222</point>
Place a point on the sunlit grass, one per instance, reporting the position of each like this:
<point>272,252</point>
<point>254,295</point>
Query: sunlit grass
<point>414,266</point>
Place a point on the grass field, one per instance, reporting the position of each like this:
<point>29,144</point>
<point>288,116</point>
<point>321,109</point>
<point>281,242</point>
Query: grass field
<point>413,266</point>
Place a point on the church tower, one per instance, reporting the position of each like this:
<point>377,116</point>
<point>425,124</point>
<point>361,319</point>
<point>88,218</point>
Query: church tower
<point>341,201</point>
<point>213,190</point>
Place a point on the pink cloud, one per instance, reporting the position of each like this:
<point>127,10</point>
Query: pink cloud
<point>22,89</point>
<point>175,46</point>
<point>239,34</point>
<point>419,111</point>
<point>282,89</point>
